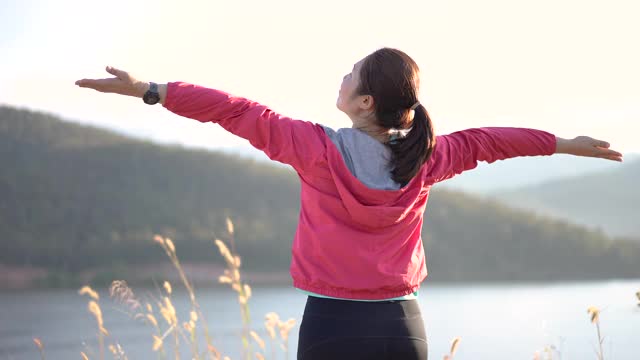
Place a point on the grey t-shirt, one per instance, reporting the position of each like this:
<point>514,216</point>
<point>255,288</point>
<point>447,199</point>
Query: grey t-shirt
<point>367,158</point>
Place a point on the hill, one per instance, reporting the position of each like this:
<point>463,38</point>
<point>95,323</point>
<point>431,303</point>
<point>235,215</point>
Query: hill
<point>517,173</point>
<point>606,200</point>
<point>76,197</point>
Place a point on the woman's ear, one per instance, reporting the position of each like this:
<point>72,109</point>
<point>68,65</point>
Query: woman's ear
<point>366,103</point>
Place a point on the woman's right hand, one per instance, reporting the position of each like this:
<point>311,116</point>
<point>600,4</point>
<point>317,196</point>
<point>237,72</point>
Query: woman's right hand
<point>123,83</point>
<point>587,146</point>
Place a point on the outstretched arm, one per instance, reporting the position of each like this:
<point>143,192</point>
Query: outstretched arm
<point>294,142</point>
<point>462,150</point>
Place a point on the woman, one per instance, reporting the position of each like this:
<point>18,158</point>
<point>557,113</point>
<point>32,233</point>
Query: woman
<point>357,251</point>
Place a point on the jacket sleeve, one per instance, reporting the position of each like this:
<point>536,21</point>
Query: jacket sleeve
<point>294,142</point>
<point>461,151</point>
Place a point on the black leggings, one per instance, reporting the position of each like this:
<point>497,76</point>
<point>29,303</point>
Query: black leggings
<point>356,330</point>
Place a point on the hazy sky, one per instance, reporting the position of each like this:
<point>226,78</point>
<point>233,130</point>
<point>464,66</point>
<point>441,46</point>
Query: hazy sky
<point>567,66</point>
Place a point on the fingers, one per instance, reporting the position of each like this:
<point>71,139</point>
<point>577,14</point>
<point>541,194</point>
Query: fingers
<point>86,83</point>
<point>614,158</point>
<point>603,151</point>
<point>102,85</point>
<point>609,154</point>
<point>117,72</point>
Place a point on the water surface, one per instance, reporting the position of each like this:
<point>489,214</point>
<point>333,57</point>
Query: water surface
<point>494,321</point>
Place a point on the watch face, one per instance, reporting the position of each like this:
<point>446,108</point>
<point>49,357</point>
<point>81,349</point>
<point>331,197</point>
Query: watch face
<point>151,98</point>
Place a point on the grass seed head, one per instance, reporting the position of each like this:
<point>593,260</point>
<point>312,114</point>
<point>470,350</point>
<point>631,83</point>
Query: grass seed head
<point>285,328</point>
<point>271,321</point>
<point>94,308</point>
<point>454,346</point>
<point>257,339</point>
<point>167,287</point>
<point>38,343</point>
<point>122,293</point>
<point>187,326</point>
<point>152,320</point>
<point>170,245</point>
<point>229,226</point>
<point>595,314</point>
<point>157,343</point>
<point>224,251</point>
<point>86,290</point>
<point>224,279</point>
<point>168,312</point>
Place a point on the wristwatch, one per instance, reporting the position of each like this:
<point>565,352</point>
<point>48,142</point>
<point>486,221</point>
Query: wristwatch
<point>151,96</point>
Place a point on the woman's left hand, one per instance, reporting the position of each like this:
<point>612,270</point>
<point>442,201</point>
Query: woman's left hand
<point>587,146</point>
<point>123,83</point>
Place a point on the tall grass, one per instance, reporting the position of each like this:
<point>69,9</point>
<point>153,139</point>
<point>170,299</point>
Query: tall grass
<point>168,338</point>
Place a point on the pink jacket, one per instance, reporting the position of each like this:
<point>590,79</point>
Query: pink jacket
<point>352,241</point>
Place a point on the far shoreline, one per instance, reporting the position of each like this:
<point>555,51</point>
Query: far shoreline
<point>205,276</point>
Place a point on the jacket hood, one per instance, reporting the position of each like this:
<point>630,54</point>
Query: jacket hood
<point>371,207</point>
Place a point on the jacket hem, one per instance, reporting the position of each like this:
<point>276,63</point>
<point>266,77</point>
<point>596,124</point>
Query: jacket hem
<point>366,294</point>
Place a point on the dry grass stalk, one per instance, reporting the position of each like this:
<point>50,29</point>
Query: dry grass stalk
<point>120,292</point>
<point>40,347</point>
<point>454,348</point>
<point>257,339</point>
<point>170,249</point>
<point>94,308</point>
<point>229,226</point>
<point>117,352</point>
<point>272,323</point>
<point>594,313</point>
<point>233,278</point>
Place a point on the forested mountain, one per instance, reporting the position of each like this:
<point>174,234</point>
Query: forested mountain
<point>74,197</point>
<point>604,200</point>
<point>516,173</point>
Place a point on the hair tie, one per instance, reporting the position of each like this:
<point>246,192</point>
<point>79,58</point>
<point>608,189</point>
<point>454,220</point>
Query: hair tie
<point>415,105</point>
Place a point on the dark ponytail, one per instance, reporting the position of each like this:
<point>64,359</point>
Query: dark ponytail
<point>409,153</point>
<point>391,77</point>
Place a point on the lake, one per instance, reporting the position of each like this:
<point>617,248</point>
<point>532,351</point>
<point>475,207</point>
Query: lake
<point>494,321</point>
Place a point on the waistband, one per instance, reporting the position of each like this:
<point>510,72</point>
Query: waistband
<point>392,309</point>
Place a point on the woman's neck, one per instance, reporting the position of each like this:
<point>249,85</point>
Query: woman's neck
<point>368,127</point>
<point>376,132</point>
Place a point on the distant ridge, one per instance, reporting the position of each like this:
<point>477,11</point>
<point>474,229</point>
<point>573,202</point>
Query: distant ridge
<point>606,200</point>
<point>77,197</point>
